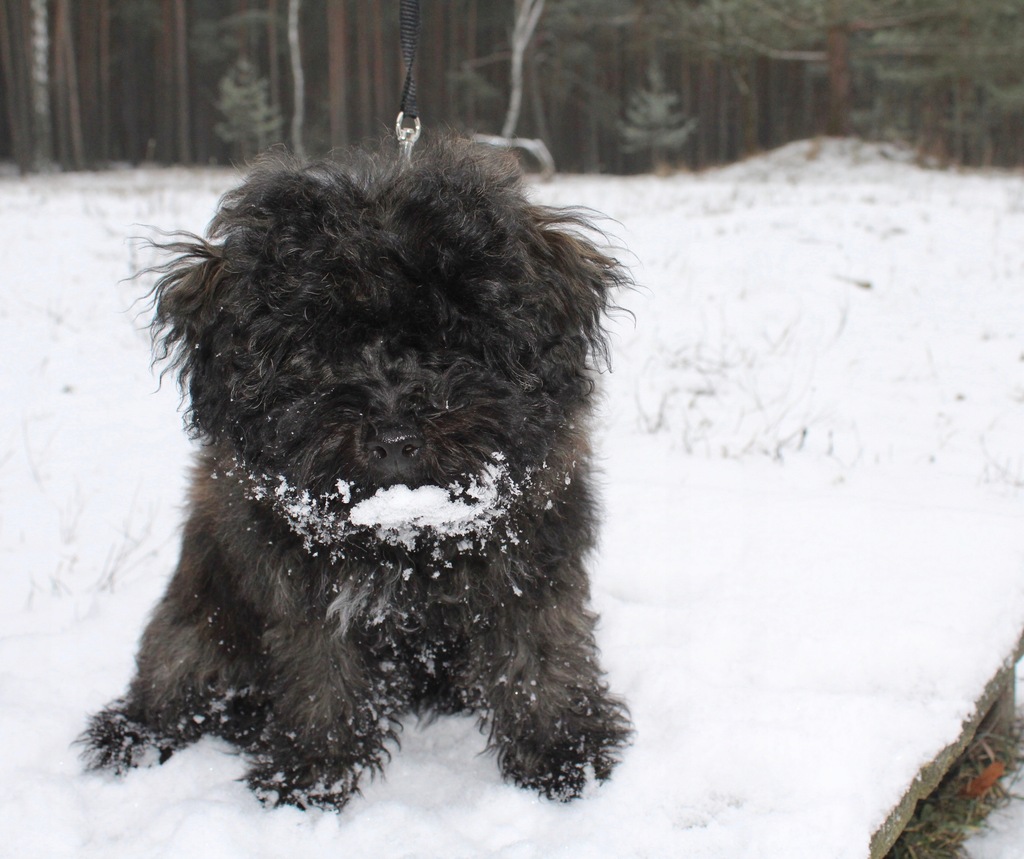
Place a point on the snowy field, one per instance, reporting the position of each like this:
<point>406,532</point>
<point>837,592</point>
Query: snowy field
<point>812,561</point>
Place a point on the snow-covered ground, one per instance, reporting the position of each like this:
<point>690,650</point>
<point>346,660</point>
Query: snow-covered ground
<point>812,562</point>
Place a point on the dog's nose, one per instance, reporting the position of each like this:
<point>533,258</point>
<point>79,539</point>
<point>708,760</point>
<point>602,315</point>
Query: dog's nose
<point>395,449</point>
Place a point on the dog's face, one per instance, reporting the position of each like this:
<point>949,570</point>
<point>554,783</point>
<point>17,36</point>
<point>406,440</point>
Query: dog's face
<point>348,329</point>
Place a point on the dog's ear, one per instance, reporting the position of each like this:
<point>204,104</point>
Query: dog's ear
<point>578,281</point>
<point>188,303</point>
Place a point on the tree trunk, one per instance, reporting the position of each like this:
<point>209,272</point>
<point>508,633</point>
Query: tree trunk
<point>72,149</point>
<point>469,56</point>
<point>439,99</point>
<point>85,26</point>
<point>181,81</point>
<point>837,50</point>
<point>743,80</point>
<point>337,33</point>
<point>272,55</point>
<point>243,33</point>
<point>363,55</point>
<point>16,83</point>
<point>528,13</point>
<point>103,72</point>
<point>161,145</point>
<point>540,121</point>
<point>377,74</point>
<point>298,82</point>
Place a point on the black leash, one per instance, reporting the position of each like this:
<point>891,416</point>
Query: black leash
<point>409,25</point>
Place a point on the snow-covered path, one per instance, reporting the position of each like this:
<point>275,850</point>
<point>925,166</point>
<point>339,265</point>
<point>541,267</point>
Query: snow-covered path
<point>812,562</point>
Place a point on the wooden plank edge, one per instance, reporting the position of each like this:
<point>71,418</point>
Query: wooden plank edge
<point>932,773</point>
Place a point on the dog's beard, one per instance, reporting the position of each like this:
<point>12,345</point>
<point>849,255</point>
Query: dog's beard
<point>466,509</point>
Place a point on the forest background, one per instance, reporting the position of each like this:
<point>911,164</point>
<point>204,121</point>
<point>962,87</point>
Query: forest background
<point>609,85</point>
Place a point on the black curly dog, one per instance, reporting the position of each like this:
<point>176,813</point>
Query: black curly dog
<point>358,335</point>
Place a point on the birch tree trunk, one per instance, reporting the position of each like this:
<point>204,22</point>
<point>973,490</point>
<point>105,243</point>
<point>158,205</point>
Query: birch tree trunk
<point>294,52</point>
<point>528,13</point>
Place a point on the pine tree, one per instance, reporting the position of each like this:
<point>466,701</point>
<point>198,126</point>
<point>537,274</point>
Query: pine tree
<point>250,123</point>
<point>952,77</point>
<point>654,122</point>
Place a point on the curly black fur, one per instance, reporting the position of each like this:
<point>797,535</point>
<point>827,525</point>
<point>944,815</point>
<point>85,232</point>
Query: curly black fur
<point>345,329</point>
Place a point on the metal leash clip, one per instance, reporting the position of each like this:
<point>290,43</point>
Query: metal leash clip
<point>407,136</point>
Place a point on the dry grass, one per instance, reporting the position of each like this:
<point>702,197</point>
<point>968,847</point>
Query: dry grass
<point>980,782</point>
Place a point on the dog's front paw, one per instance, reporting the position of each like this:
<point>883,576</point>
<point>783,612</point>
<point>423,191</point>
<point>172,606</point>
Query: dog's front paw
<point>556,775</point>
<point>582,745</point>
<point>118,742</point>
<point>560,772</point>
<point>312,787</point>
